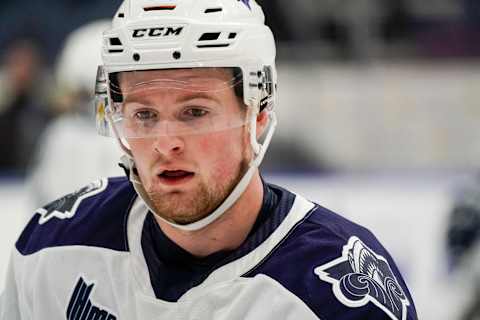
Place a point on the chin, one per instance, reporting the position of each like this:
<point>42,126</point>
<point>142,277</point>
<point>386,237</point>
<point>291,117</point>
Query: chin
<point>184,207</point>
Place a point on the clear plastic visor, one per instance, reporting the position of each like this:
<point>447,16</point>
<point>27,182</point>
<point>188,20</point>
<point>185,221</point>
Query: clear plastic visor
<point>175,102</point>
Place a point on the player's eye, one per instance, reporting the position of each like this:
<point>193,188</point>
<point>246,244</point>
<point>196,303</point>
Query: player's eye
<point>194,113</point>
<point>145,115</point>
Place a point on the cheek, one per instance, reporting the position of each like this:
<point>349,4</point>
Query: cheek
<point>222,153</point>
<point>138,149</point>
<point>141,154</point>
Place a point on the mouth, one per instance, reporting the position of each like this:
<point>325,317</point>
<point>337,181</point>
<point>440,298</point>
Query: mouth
<point>175,177</point>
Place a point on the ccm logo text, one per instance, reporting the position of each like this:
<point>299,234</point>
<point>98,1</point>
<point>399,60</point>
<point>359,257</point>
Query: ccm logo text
<point>157,32</point>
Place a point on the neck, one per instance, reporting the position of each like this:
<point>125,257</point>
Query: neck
<point>226,233</point>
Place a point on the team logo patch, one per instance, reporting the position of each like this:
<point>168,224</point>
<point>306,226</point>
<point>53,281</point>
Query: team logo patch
<point>361,276</point>
<point>66,206</point>
<point>247,3</point>
<point>81,306</point>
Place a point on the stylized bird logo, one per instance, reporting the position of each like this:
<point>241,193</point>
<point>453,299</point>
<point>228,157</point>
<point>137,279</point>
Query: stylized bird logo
<point>362,260</point>
<point>361,276</point>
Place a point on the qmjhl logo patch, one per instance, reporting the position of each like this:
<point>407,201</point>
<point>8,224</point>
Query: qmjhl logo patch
<point>81,307</point>
<point>361,276</point>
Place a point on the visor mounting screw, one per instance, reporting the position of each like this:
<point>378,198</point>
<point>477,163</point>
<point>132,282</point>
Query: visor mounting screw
<point>136,57</point>
<point>176,55</point>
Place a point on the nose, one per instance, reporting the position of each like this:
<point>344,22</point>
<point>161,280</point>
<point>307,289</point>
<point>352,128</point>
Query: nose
<point>168,145</point>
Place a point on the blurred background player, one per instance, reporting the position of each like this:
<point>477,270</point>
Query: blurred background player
<point>463,247</point>
<point>24,111</point>
<point>69,153</point>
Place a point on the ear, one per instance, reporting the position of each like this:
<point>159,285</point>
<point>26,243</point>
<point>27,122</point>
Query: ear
<point>262,122</point>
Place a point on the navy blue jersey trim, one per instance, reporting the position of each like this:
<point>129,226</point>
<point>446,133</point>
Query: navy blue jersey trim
<point>251,272</point>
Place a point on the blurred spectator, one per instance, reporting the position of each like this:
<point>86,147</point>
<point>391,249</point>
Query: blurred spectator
<point>463,246</point>
<point>356,28</point>
<point>397,23</point>
<point>472,12</point>
<point>23,115</point>
<point>275,19</point>
<point>352,28</point>
<point>50,20</point>
<point>318,20</point>
<point>71,153</point>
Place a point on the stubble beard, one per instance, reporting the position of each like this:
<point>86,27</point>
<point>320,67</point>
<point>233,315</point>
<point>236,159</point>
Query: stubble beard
<point>185,208</point>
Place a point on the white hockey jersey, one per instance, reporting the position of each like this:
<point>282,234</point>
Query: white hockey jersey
<point>97,254</point>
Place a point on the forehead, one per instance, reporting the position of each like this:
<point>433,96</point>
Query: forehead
<point>209,77</point>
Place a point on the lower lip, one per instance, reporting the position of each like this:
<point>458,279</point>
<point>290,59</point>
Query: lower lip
<point>175,181</point>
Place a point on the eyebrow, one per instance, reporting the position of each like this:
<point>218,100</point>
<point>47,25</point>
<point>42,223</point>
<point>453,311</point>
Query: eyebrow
<point>197,95</point>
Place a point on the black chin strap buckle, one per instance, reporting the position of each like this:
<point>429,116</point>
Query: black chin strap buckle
<point>125,168</point>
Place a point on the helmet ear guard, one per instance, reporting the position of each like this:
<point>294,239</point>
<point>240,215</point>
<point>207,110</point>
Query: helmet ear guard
<point>268,86</point>
<point>102,103</point>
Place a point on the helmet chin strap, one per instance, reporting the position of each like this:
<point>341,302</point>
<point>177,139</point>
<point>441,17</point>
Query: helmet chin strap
<point>259,152</point>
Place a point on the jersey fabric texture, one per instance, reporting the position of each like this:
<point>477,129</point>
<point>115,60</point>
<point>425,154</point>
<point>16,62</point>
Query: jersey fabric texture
<point>99,254</point>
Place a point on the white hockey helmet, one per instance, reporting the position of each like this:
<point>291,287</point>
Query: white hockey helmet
<point>179,34</point>
<point>80,57</point>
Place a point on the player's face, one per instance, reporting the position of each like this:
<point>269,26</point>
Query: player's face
<point>187,175</point>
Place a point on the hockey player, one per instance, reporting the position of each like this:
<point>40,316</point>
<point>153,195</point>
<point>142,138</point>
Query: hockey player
<point>59,164</point>
<point>187,89</point>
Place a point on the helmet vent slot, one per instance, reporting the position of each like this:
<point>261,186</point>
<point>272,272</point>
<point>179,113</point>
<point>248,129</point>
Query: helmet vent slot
<point>115,42</point>
<point>159,8</point>
<point>209,36</point>
<point>213,10</point>
<point>219,45</point>
<point>116,45</point>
